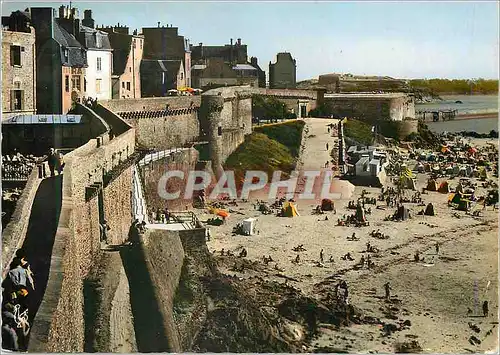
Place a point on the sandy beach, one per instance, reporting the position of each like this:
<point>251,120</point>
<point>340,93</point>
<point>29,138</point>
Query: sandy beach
<point>439,296</point>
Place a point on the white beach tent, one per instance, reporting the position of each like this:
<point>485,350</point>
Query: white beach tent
<point>248,226</point>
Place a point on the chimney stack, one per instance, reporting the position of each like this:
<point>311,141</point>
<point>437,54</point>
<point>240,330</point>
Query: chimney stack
<point>87,19</point>
<point>239,41</point>
<point>158,24</point>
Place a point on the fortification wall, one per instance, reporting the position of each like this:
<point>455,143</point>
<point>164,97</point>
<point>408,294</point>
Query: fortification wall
<point>364,109</point>
<point>372,107</point>
<point>164,257</point>
<point>402,107</point>
<point>167,132</point>
<point>183,160</point>
<point>59,325</point>
<point>14,233</point>
<point>151,103</point>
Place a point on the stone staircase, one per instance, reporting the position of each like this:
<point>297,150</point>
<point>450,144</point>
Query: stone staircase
<point>138,201</point>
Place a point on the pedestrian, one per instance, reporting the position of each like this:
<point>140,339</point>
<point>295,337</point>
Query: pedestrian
<point>327,146</point>
<point>437,248</point>
<point>387,287</point>
<point>104,231</point>
<point>52,161</point>
<point>321,255</point>
<point>485,309</point>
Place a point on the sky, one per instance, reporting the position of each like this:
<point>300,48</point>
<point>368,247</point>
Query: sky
<point>400,39</point>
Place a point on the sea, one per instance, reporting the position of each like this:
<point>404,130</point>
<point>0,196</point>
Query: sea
<point>471,104</point>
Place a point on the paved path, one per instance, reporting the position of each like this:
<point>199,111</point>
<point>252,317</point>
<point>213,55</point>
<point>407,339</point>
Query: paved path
<point>40,236</point>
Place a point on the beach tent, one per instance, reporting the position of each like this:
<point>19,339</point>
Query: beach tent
<point>402,213</point>
<point>429,210</point>
<point>327,204</point>
<point>248,226</point>
<point>457,197</point>
<point>289,210</point>
<point>432,185</point>
<point>464,205</point>
<point>444,187</point>
<point>360,213</point>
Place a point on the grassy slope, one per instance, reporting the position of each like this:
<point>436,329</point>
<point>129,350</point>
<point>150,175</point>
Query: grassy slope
<point>359,131</point>
<point>269,148</point>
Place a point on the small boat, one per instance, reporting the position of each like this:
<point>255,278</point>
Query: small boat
<point>458,102</point>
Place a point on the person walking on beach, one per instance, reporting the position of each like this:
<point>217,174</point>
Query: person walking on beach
<point>321,255</point>
<point>327,146</point>
<point>437,248</point>
<point>387,287</point>
<point>485,309</point>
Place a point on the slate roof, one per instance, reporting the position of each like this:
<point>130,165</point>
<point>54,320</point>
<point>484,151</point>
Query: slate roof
<point>89,38</point>
<point>169,66</point>
<point>77,55</point>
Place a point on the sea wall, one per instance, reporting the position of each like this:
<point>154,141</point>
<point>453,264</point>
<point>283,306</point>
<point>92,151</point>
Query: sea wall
<point>164,256</point>
<point>182,160</point>
<point>150,103</point>
<point>372,107</point>
<point>88,196</point>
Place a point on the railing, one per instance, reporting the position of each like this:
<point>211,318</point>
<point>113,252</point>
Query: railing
<point>16,171</point>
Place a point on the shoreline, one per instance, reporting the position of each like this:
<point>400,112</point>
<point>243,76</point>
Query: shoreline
<point>474,116</point>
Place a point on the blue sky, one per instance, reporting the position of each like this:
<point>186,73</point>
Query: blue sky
<point>400,39</point>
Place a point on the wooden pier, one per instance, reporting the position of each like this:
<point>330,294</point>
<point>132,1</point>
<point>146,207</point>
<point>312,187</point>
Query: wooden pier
<point>437,115</point>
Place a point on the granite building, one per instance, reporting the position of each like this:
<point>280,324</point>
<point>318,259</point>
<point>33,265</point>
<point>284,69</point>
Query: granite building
<point>18,65</point>
<point>62,57</point>
<point>165,43</point>
<point>283,73</point>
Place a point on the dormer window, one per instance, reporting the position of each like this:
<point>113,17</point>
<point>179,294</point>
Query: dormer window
<point>66,54</point>
<point>98,40</point>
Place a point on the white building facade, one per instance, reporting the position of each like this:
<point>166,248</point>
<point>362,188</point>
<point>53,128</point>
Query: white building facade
<point>100,64</point>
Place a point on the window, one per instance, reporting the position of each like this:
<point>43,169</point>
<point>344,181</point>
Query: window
<point>133,44</point>
<point>15,55</point>
<point>123,85</point>
<point>84,84</point>
<point>98,85</point>
<point>140,43</point>
<point>66,83</point>
<point>16,100</point>
<point>128,85</point>
<point>130,69</point>
<point>182,75</point>
<point>66,54</point>
<point>76,82</point>
<point>219,131</point>
<point>99,64</point>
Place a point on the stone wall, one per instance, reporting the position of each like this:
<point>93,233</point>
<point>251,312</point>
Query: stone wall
<point>14,233</point>
<point>164,256</point>
<point>373,107</point>
<point>151,103</point>
<point>19,77</point>
<point>167,132</point>
<point>59,324</point>
<point>184,160</point>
